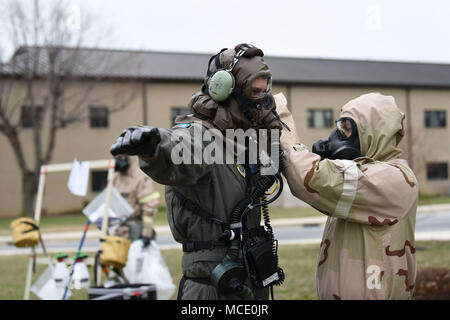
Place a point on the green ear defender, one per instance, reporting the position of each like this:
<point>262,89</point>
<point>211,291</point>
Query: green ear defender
<point>221,85</point>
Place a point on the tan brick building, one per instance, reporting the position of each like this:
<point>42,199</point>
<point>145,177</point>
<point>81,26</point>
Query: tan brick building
<point>315,89</point>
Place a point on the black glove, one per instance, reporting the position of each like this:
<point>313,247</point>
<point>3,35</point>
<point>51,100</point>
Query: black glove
<point>136,140</point>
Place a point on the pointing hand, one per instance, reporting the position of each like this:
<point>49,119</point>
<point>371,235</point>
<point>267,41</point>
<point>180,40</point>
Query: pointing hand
<point>136,140</point>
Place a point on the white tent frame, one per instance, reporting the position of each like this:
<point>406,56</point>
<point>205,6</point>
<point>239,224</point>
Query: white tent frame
<point>61,167</point>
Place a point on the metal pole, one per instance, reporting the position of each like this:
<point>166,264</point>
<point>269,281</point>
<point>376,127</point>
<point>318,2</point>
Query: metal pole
<point>37,217</point>
<point>86,227</point>
<point>109,184</point>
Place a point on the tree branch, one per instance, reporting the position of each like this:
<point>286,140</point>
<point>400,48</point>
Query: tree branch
<point>13,139</point>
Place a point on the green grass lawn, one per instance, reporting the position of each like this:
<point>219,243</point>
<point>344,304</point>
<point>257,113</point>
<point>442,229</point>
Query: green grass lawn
<point>298,262</point>
<point>426,199</point>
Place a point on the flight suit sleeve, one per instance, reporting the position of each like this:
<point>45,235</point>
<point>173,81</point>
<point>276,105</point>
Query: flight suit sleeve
<point>374,193</point>
<point>178,158</point>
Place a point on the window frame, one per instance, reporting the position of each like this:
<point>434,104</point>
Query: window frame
<point>437,178</point>
<point>98,121</point>
<point>27,120</point>
<point>427,124</point>
<point>98,174</point>
<point>310,116</point>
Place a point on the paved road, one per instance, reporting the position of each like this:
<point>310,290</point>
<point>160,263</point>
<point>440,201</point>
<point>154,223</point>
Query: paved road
<point>435,226</point>
<point>430,226</point>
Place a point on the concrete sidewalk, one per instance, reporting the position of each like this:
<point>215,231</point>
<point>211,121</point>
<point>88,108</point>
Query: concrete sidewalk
<point>94,233</point>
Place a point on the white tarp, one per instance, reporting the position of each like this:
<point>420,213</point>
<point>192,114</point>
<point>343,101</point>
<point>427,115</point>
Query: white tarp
<point>119,210</point>
<point>45,287</point>
<point>79,177</point>
<point>146,265</point>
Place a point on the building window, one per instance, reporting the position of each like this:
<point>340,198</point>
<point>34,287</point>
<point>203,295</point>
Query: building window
<point>98,117</point>
<point>175,112</point>
<point>29,115</point>
<point>98,179</point>
<point>435,119</point>
<point>437,171</point>
<point>320,118</point>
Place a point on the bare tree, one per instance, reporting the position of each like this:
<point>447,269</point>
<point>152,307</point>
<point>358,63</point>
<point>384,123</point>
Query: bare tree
<point>48,60</point>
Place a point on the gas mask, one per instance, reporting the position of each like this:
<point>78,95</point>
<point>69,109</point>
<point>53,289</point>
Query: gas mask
<point>122,163</point>
<point>250,106</point>
<point>258,89</point>
<point>339,144</point>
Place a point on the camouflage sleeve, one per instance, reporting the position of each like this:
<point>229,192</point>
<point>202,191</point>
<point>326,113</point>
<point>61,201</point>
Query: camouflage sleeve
<point>148,199</point>
<point>375,193</point>
<point>173,162</point>
<point>289,136</point>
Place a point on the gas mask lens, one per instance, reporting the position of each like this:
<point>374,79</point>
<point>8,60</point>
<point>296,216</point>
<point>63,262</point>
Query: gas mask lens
<point>259,88</point>
<point>344,128</point>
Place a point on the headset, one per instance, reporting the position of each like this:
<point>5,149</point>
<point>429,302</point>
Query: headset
<point>221,83</point>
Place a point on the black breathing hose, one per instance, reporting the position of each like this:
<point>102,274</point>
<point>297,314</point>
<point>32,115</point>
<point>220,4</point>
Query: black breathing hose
<point>241,210</point>
<point>263,184</point>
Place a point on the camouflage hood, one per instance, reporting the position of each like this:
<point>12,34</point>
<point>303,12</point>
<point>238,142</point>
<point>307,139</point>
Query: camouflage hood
<point>229,114</point>
<point>380,125</point>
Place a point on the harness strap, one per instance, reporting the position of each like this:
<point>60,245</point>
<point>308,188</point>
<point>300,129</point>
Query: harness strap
<point>191,246</point>
<point>197,210</point>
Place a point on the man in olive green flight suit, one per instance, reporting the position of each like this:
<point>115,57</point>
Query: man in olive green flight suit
<point>214,187</point>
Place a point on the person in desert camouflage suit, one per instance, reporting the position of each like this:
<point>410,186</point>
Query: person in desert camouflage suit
<point>137,188</point>
<point>367,249</point>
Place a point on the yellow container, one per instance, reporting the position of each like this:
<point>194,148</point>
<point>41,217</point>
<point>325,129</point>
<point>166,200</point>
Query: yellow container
<point>114,252</point>
<point>25,232</point>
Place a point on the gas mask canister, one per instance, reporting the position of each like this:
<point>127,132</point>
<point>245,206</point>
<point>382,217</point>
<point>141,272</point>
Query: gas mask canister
<point>343,142</point>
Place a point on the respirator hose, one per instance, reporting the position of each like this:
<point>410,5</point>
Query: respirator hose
<point>269,229</point>
<point>261,187</point>
<point>237,217</point>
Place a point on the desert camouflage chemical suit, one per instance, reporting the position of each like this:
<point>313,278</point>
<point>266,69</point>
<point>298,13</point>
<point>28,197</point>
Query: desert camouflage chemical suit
<point>137,188</point>
<point>216,188</point>
<point>367,250</point>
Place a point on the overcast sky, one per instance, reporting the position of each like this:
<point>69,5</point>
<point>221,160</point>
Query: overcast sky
<point>398,30</point>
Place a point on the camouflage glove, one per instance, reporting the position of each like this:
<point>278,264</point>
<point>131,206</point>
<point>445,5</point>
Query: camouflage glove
<point>136,140</point>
